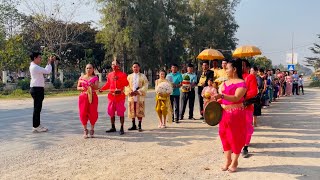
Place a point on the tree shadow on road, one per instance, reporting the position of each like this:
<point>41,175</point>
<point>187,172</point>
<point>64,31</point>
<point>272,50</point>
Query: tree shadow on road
<point>66,123</point>
<point>292,122</point>
<point>303,172</point>
<point>18,128</point>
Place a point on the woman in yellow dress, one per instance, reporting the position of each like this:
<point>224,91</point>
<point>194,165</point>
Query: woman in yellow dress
<point>163,104</point>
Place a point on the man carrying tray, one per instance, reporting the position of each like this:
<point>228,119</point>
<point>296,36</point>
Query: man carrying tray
<point>188,93</point>
<point>116,82</point>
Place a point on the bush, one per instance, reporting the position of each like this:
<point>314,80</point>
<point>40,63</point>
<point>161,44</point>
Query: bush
<point>18,92</point>
<point>68,84</point>
<point>2,85</point>
<point>6,92</point>
<point>315,83</point>
<point>24,84</point>
<point>57,84</point>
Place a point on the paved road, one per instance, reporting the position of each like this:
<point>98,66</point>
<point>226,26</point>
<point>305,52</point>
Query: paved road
<point>285,145</point>
<point>60,115</point>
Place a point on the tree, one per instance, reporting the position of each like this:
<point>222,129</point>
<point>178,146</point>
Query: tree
<point>10,18</point>
<point>314,61</point>
<point>52,28</point>
<point>117,32</point>
<point>280,66</point>
<point>14,55</point>
<point>261,62</point>
<point>157,33</point>
<point>10,42</point>
<point>214,25</point>
<point>303,70</point>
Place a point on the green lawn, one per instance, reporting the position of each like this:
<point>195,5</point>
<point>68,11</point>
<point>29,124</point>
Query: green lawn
<point>19,94</point>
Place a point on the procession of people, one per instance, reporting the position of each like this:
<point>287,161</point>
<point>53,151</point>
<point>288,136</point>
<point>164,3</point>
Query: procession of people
<point>241,90</point>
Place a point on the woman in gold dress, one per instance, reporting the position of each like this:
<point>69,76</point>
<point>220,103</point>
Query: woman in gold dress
<point>163,104</point>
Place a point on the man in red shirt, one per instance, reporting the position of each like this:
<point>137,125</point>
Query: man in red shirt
<point>116,82</point>
<point>252,91</point>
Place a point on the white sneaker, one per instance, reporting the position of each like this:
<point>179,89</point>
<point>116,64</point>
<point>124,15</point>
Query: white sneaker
<point>39,129</point>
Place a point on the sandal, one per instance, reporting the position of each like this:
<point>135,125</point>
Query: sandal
<point>85,133</point>
<point>92,133</point>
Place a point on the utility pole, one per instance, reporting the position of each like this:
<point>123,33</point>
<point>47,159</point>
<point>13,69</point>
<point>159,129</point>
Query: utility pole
<point>292,49</point>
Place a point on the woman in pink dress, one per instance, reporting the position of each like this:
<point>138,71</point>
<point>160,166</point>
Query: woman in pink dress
<point>209,92</point>
<point>288,84</point>
<point>88,100</point>
<point>232,128</point>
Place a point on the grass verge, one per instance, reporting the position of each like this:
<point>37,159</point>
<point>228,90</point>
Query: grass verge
<point>20,94</point>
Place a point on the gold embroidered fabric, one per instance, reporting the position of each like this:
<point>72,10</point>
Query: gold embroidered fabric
<point>232,107</point>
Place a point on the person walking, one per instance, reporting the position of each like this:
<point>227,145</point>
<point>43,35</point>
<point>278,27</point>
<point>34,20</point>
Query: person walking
<point>233,125</point>
<point>37,87</point>
<point>257,106</point>
<point>252,91</point>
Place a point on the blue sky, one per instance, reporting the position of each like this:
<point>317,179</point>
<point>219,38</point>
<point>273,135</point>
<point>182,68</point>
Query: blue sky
<point>268,24</point>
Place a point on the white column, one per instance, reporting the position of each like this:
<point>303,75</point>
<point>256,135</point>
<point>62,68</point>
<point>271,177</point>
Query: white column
<point>4,77</point>
<point>61,75</point>
<point>100,77</point>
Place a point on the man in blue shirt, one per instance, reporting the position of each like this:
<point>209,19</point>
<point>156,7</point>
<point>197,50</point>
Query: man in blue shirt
<point>175,78</point>
<point>189,96</point>
<point>295,78</point>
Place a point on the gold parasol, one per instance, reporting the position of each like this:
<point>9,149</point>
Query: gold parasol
<point>246,51</point>
<point>210,54</point>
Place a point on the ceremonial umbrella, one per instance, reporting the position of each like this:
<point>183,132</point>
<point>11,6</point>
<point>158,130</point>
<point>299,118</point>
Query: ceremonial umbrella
<point>246,51</point>
<point>210,54</point>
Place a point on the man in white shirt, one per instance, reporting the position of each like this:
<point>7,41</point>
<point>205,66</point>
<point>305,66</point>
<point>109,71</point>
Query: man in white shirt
<point>37,87</point>
<point>136,91</point>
